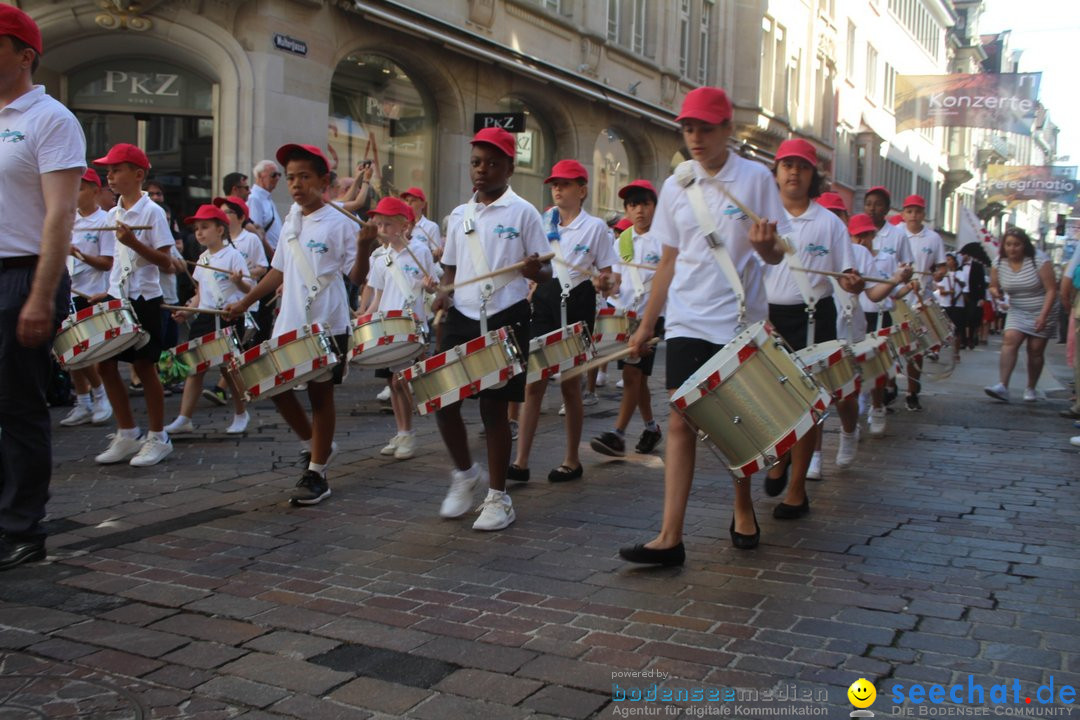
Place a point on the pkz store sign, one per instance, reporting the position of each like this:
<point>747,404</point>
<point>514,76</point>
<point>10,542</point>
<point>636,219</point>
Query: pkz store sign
<point>140,84</point>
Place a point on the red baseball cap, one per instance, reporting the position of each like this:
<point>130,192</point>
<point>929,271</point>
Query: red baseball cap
<point>643,184</point>
<point>207,212</point>
<point>285,151</point>
<point>623,224</point>
<point>880,189</point>
<point>914,200</point>
<point>233,200</point>
<point>18,24</point>
<point>503,141</point>
<point>416,193</point>
<point>832,201</point>
<point>896,219</point>
<point>125,153</point>
<point>568,170</point>
<point>707,104</point>
<point>91,176</point>
<point>797,148</point>
<point>861,223</point>
<point>390,206</point>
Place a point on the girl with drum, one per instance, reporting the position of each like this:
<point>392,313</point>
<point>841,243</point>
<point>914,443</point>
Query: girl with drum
<point>219,276</point>
<point>801,305</point>
<point>582,243</point>
<point>89,265</point>
<point>704,311</point>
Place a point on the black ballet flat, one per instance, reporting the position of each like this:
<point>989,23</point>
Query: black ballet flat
<point>775,486</point>
<point>745,542</point>
<point>666,557</point>
<point>783,511</point>
<point>565,474</point>
<point>517,474</point>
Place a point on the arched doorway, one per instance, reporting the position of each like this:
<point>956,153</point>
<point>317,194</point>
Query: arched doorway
<point>612,169</point>
<point>533,159</point>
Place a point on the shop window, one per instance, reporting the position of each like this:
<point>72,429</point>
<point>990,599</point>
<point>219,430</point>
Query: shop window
<point>611,170</point>
<point>533,153</point>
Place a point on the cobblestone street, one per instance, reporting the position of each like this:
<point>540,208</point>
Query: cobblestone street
<point>192,590</point>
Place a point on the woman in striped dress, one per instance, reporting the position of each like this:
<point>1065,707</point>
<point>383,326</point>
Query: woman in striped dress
<point>1027,277</point>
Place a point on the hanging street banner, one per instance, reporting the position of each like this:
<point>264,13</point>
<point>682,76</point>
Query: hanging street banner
<point>1017,183</point>
<point>1005,102</point>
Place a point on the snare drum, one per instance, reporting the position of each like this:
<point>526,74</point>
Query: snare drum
<point>274,366</point>
<point>923,338</point>
<point>901,338</point>
<point>383,339</point>
<point>752,400</point>
<point>938,323</point>
<point>613,327</point>
<point>872,360</point>
<point>559,350</point>
<point>97,333</point>
<point>833,365</point>
<point>483,363</point>
<point>209,351</point>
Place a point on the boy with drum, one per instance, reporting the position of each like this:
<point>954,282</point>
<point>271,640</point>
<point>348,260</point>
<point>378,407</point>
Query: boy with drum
<point>316,247</point>
<point>890,240</point>
<point>581,242</point>
<point>494,229</point>
<point>928,250</point>
<point>704,311</point>
<point>135,276</point>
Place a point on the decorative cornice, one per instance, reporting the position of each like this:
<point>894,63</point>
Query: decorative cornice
<point>125,14</point>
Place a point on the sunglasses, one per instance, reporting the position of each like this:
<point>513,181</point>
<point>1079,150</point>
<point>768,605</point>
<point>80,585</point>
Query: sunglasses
<point>275,175</point>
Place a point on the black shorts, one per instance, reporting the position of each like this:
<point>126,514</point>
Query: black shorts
<point>79,303</point>
<point>148,313</point>
<point>341,343</point>
<point>684,357</point>
<point>645,362</point>
<point>203,324</point>
<point>791,322</point>
<point>547,301</point>
<point>872,318</point>
<point>458,329</point>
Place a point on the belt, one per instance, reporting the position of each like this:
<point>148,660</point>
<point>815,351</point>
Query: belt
<point>13,263</point>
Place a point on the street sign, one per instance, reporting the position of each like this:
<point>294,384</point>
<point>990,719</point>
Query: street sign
<point>511,122</point>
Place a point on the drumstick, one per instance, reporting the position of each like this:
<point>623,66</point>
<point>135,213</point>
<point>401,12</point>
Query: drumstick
<point>650,268</point>
<point>578,268</point>
<point>509,268</point>
<point>438,318</point>
<point>83,295</point>
<point>192,263</point>
<point>840,275</point>
<point>755,217</point>
<point>349,215</point>
<point>185,308</point>
<point>115,228</point>
<point>597,362</point>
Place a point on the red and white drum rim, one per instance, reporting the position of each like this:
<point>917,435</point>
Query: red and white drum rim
<point>286,376</point>
<point>111,334</point>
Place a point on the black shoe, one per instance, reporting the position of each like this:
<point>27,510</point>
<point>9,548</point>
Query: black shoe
<point>215,395</point>
<point>134,389</point>
<point>311,490</point>
<point>565,474</point>
<point>913,403</point>
<point>1070,414</point>
<point>783,511</point>
<point>609,444</point>
<point>15,552</point>
<point>648,441</point>
<point>890,396</point>
<point>775,486</point>
<point>649,556</point>
<point>745,542</point>
<point>517,474</point>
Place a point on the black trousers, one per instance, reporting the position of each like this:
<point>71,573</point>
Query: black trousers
<point>25,425</point>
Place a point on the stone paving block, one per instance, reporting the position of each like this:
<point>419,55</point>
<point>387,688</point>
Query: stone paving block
<point>35,619</point>
<point>305,706</point>
<point>379,695</point>
<point>228,632</point>
<point>177,676</point>
<point>236,689</point>
<point>483,657</point>
<point>452,707</point>
<point>205,655</point>
<point>120,663</point>
<point>369,633</point>
<point>492,687</point>
<point>229,606</point>
<point>296,675</point>
<point>566,702</point>
<point>149,643</point>
<point>60,649</point>
<point>138,614</point>
<point>291,645</point>
<point>569,673</point>
<point>168,595</point>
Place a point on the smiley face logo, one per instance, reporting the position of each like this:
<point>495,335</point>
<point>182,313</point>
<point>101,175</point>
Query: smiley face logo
<point>862,694</point>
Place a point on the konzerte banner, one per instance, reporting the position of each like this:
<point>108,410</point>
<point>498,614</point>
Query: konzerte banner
<point>1003,102</point>
<point>1016,183</point>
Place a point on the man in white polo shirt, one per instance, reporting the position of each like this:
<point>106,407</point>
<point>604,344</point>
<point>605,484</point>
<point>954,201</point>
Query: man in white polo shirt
<point>264,212</point>
<point>42,157</point>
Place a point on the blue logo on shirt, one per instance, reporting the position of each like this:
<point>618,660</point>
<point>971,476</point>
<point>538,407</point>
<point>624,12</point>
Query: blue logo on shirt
<point>507,233</point>
<point>888,250</point>
<point>320,248</point>
<point>220,276</point>
<point>732,210</point>
<point>817,250</point>
<point>12,136</point>
<point>90,237</point>
<point>651,258</point>
<point>927,250</point>
<point>581,248</point>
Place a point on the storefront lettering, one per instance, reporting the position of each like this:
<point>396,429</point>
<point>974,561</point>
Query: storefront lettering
<point>159,84</point>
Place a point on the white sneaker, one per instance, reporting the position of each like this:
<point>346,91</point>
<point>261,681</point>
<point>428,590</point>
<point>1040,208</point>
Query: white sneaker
<point>814,471</point>
<point>151,453</point>
<point>601,379</point>
<point>1029,395</point>
<point>496,512</point>
<point>406,447</point>
<point>619,384</point>
<point>391,446</point>
<point>459,498</point>
<point>1075,440</point>
<point>239,424</point>
<point>384,394</point>
<point>120,448</point>
<point>79,415</point>
<point>589,398</point>
<point>998,392</point>
<point>877,422</point>
<point>562,409</point>
<point>180,426</point>
<point>849,446</point>
<point>102,410</point>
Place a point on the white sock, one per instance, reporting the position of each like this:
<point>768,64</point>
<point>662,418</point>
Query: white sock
<point>158,436</point>
<point>816,456</point>
<point>84,400</point>
<point>316,467</point>
<point>405,433</point>
<point>241,416</point>
<point>182,419</point>
<point>651,425</point>
<point>98,392</point>
<point>129,433</point>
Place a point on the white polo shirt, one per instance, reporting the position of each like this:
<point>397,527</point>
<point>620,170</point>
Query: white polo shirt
<point>883,265</point>
<point>38,135</point>
<point>251,248</point>
<point>646,252</point>
<point>264,213</point>
<point>145,280</point>
<point>102,243</point>
<point>928,249</point>
<point>863,263</point>
<point>585,243</point>
<point>892,240</point>
<point>382,278</point>
<point>823,243</point>
<point>700,302</point>
<point>509,230</point>
<point>427,232</point>
<point>328,240</point>
<point>216,289</point>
